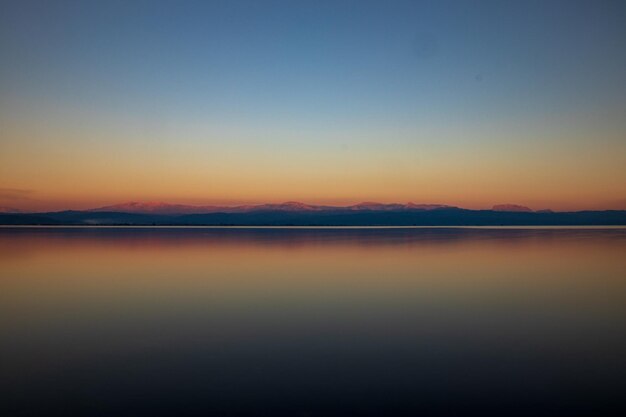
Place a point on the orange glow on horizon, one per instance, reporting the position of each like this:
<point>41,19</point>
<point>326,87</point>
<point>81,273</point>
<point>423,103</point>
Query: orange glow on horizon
<point>49,170</point>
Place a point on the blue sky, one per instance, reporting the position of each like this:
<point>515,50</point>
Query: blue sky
<point>412,77</point>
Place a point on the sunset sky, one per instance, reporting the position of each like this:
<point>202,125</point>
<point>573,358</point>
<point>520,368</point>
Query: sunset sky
<point>465,103</point>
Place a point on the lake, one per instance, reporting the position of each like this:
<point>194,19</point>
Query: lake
<point>313,322</point>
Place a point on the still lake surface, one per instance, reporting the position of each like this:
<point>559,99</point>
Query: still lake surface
<point>312,322</point>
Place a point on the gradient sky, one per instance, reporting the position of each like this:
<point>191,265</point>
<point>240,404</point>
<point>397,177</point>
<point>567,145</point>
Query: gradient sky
<point>466,103</point>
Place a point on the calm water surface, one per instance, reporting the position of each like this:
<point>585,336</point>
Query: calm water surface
<point>312,322</point>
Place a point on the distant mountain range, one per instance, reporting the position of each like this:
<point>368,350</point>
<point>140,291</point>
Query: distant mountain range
<point>291,206</point>
<point>511,207</point>
<point>299,214</point>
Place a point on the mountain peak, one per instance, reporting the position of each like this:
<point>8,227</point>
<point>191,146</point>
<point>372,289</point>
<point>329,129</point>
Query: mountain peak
<point>286,206</point>
<point>156,207</point>
<point>511,207</point>
<point>411,205</point>
<point>372,205</point>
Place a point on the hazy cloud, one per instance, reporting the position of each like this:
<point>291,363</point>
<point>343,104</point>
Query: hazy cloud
<point>15,194</point>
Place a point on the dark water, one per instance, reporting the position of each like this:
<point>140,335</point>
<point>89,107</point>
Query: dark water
<point>323,322</point>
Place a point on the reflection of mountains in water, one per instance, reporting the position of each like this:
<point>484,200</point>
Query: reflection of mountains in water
<point>12,239</point>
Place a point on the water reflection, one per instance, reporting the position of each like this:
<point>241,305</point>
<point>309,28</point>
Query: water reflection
<point>146,321</point>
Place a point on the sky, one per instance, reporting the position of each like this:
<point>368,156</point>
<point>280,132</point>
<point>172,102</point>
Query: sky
<point>467,103</point>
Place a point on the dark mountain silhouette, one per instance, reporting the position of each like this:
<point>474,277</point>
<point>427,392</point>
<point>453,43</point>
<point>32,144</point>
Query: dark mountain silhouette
<point>157,208</point>
<point>511,207</point>
<point>28,219</point>
<point>298,214</point>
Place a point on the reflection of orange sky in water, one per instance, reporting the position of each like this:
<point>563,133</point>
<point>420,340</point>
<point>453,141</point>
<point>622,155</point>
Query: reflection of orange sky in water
<point>84,265</point>
<point>114,290</point>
